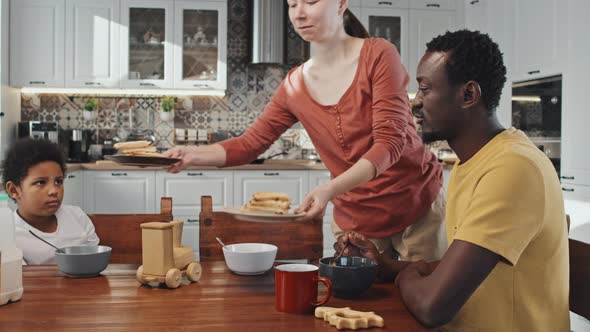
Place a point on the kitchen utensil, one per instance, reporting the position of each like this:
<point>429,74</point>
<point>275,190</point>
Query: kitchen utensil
<point>249,258</point>
<point>262,216</point>
<point>83,261</point>
<point>220,242</point>
<point>350,276</point>
<point>142,161</point>
<point>340,254</point>
<point>296,288</point>
<point>261,160</point>
<point>37,236</point>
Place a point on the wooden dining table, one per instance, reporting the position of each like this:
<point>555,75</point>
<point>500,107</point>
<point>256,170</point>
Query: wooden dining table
<point>220,301</point>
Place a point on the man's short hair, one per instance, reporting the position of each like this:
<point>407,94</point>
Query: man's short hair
<point>473,56</point>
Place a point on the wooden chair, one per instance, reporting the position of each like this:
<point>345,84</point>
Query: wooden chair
<point>123,233</point>
<point>579,276</point>
<point>295,239</point>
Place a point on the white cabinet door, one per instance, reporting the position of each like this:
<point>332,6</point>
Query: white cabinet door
<point>388,23</point>
<point>294,183</point>
<point>496,18</point>
<point>121,191</point>
<point>147,42</point>
<point>74,189</point>
<point>200,45</point>
<point>575,159</point>
<point>92,43</point>
<point>37,43</point>
<point>425,25</point>
<point>539,38</point>
<point>186,189</point>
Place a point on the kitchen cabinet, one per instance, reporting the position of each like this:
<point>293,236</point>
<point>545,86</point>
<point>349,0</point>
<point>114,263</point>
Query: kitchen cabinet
<point>388,22</point>
<point>92,43</point>
<point>186,189</point>
<point>74,189</point>
<point>425,25</point>
<point>37,43</point>
<point>200,45</point>
<point>294,183</point>
<point>121,191</point>
<point>147,43</point>
<point>190,233</point>
<point>539,38</point>
<point>496,18</point>
<point>575,159</point>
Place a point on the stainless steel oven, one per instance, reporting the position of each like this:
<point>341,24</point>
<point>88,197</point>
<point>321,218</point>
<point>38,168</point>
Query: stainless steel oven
<point>536,110</point>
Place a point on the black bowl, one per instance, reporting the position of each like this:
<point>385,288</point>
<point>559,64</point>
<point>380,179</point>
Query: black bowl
<point>350,275</point>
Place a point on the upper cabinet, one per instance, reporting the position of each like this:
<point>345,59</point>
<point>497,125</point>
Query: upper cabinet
<point>200,34</point>
<point>147,43</point>
<point>119,43</point>
<point>425,25</point>
<point>539,38</point>
<point>37,43</point>
<point>92,43</point>
<point>409,25</point>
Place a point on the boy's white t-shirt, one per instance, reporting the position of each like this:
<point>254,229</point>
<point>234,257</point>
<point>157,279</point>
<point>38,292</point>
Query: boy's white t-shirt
<point>74,228</point>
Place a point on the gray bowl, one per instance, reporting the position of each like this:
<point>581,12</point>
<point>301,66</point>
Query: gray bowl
<point>83,261</point>
<point>350,275</point>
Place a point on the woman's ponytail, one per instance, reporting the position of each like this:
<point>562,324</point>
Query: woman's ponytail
<point>353,26</point>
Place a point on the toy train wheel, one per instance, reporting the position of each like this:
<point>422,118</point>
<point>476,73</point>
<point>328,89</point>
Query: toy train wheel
<point>173,278</point>
<point>139,275</point>
<point>193,272</point>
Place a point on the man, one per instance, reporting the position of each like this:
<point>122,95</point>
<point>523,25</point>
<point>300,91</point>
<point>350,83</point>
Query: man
<point>506,268</point>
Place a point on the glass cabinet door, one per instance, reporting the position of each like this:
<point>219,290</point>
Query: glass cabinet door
<point>390,24</point>
<point>147,43</point>
<point>200,51</point>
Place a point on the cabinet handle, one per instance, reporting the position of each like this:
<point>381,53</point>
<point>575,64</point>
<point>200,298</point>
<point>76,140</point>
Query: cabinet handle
<point>92,83</point>
<point>568,189</point>
<point>474,2</point>
<point>195,174</point>
<point>567,177</point>
<point>201,86</point>
<point>146,84</point>
<point>534,72</point>
<point>192,220</point>
<point>71,176</point>
<point>387,3</point>
<point>37,82</point>
<point>436,5</point>
<point>119,174</point>
<point>271,173</point>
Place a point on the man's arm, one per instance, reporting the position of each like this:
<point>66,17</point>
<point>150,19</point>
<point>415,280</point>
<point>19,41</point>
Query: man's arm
<point>435,298</point>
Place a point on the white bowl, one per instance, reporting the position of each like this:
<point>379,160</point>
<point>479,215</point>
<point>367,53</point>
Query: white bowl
<point>249,258</point>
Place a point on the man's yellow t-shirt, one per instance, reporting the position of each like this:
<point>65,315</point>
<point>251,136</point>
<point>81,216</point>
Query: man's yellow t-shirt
<point>507,198</point>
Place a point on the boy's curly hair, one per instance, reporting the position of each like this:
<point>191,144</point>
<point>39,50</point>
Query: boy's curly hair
<point>473,56</point>
<point>26,153</point>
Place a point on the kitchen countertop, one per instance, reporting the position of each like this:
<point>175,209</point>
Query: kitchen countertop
<point>105,165</point>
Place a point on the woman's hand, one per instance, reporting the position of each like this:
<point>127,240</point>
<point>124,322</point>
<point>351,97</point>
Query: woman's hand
<point>183,153</point>
<point>355,244</point>
<point>314,204</point>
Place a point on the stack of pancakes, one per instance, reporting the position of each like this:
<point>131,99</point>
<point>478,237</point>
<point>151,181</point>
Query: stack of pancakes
<point>270,202</point>
<point>137,148</point>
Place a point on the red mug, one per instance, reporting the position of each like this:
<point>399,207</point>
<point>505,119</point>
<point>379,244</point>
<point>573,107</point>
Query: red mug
<point>296,288</point>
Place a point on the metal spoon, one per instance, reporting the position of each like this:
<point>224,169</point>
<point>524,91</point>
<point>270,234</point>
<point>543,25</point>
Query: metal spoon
<point>339,254</point>
<point>37,236</point>
<point>220,242</point>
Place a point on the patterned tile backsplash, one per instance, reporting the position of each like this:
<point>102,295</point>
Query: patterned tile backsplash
<point>249,89</point>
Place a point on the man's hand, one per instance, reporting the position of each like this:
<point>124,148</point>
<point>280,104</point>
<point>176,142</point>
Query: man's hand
<point>355,244</point>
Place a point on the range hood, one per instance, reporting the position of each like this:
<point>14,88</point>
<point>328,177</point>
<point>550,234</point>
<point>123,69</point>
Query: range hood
<point>267,31</point>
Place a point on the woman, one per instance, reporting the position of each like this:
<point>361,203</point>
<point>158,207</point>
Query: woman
<point>351,98</point>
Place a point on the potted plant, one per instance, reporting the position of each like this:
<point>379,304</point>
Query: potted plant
<point>167,108</point>
<point>90,108</point>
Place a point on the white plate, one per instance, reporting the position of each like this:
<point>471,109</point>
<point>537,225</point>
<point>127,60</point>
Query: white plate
<point>262,216</point>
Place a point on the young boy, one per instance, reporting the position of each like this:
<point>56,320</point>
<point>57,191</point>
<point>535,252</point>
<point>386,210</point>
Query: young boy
<point>33,175</point>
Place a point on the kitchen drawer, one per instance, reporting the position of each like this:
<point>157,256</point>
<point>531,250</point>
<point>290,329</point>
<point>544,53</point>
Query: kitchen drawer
<point>575,192</point>
<point>433,4</point>
<point>386,3</point>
